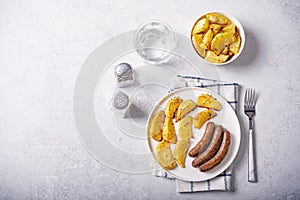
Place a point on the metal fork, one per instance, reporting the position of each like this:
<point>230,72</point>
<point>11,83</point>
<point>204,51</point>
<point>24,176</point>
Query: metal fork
<point>249,108</point>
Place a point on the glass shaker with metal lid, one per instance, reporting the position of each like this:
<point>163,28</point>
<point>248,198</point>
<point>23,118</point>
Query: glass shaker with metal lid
<point>124,75</point>
<point>120,104</point>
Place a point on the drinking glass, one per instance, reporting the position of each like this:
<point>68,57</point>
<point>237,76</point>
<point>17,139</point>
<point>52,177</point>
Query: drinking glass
<point>154,41</point>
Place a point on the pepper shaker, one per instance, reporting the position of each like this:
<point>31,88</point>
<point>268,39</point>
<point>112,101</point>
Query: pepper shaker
<point>120,104</point>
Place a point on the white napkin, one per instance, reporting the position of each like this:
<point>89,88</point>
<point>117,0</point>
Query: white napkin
<point>229,91</point>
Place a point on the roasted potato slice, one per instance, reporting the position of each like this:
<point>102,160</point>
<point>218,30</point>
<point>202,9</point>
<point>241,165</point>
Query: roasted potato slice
<point>201,26</point>
<point>208,101</point>
<point>207,38</point>
<point>216,18</point>
<point>229,28</point>
<point>172,106</point>
<point>196,39</point>
<point>185,130</point>
<point>156,125</point>
<point>203,117</point>
<point>169,133</point>
<point>166,158</point>
<point>184,108</point>
<point>162,144</point>
<point>221,40</point>
<point>212,57</point>
<point>180,151</point>
<point>235,46</point>
<point>215,28</point>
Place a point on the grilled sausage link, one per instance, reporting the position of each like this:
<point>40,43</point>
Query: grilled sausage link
<point>211,149</point>
<point>214,161</point>
<point>203,143</point>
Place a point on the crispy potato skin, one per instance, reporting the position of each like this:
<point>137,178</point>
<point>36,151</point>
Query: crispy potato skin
<point>162,144</point>
<point>203,117</point>
<point>212,57</point>
<point>208,36</point>
<point>156,125</point>
<point>172,107</point>
<point>196,40</point>
<point>165,158</point>
<point>221,40</point>
<point>208,101</point>
<point>216,18</point>
<point>180,151</point>
<point>169,133</point>
<point>184,108</point>
<point>185,127</point>
<point>201,26</point>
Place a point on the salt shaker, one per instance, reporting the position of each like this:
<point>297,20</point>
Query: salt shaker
<point>124,75</point>
<point>120,104</point>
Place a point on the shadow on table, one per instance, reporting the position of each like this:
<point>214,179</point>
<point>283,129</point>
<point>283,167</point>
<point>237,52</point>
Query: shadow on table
<point>249,53</point>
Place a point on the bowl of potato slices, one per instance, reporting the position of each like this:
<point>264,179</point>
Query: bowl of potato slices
<point>218,38</point>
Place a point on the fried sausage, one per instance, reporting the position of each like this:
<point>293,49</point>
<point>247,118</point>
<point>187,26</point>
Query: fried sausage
<point>203,143</point>
<point>220,154</point>
<point>211,149</point>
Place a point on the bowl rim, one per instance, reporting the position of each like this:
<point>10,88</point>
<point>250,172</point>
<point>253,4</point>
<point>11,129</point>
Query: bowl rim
<point>239,28</point>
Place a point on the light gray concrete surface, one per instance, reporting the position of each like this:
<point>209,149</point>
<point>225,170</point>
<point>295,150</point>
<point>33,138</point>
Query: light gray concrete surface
<point>43,45</point>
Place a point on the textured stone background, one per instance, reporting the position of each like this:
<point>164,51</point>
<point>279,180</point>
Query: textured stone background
<point>42,47</point>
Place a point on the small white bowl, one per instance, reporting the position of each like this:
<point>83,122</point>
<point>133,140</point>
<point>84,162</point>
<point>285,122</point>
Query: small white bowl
<point>240,30</point>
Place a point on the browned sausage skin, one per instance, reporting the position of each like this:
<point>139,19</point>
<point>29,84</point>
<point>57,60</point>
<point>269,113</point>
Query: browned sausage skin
<point>211,149</point>
<point>214,161</point>
<point>203,143</point>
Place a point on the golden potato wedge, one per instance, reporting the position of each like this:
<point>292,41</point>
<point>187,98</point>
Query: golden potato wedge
<point>165,158</point>
<point>235,46</point>
<point>184,108</point>
<point>215,28</point>
<point>196,39</point>
<point>185,130</point>
<point>208,101</point>
<point>162,144</point>
<point>172,106</point>
<point>169,133</point>
<point>180,151</point>
<point>216,18</point>
<point>203,117</point>
<point>207,38</point>
<point>229,28</point>
<point>156,125</point>
<point>221,40</point>
<point>201,26</point>
<point>212,57</point>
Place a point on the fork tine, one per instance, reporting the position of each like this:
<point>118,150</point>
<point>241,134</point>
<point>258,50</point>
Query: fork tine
<point>249,100</point>
<point>252,99</point>
<point>246,97</point>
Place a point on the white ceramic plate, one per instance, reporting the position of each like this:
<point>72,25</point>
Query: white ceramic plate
<point>225,117</point>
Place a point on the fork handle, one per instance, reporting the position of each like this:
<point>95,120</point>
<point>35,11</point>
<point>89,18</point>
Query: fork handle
<point>251,165</point>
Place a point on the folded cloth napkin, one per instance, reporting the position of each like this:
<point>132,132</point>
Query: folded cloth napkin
<point>229,91</point>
